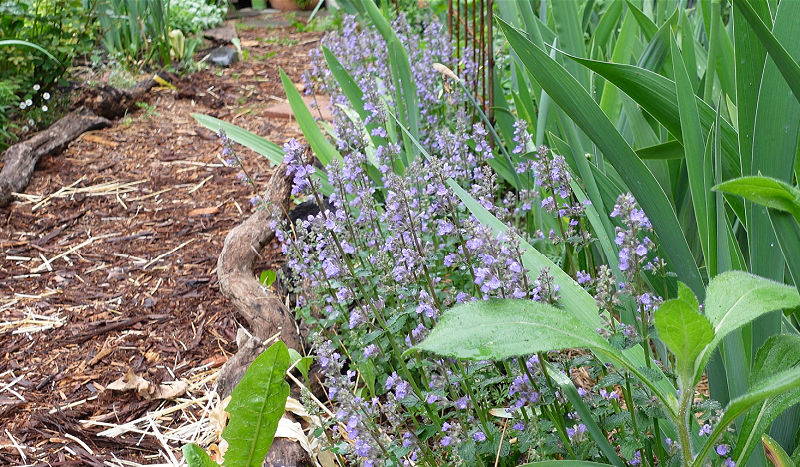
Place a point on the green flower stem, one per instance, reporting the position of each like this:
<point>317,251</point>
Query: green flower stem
<point>683,425</point>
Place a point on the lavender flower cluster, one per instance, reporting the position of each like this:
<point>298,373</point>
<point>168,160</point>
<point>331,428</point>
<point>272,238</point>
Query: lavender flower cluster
<point>363,52</point>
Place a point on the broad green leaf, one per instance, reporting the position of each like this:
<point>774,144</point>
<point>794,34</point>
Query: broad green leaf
<point>266,148</point>
<point>323,149</point>
<point>779,383</point>
<point>778,353</point>
<point>502,329</point>
<point>573,297</point>
<point>257,404</point>
<point>300,362</point>
<point>196,456</point>
<point>775,453</point>
<point>735,298</point>
<point>686,295</point>
<point>766,191</point>
<point>574,100</point>
<point>686,332</point>
<point>782,59</point>
<point>585,414</point>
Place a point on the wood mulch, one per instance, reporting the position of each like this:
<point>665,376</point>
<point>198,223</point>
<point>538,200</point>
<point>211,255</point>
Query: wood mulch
<point>107,266</point>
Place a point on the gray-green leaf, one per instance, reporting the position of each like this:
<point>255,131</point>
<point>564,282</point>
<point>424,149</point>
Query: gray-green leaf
<point>500,329</point>
<point>765,191</point>
<point>735,298</point>
<point>686,332</point>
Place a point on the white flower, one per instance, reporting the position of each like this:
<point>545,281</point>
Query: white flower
<point>36,87</point>
<point>25,129</point>
<point>22,106</point>
<point>28,103</point>
<point>44,108</point>
<point>31,122</point>
<point>46,96</point>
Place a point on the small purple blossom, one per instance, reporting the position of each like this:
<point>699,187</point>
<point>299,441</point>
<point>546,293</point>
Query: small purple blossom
<point>583,277</point>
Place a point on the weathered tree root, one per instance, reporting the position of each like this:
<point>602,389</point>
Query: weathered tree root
<point>21,158</point>
<point>110,102</point>
<point>263,311</point>
<point>95,108</point>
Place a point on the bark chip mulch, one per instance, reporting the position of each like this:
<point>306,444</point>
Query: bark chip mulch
<point>107,270</point>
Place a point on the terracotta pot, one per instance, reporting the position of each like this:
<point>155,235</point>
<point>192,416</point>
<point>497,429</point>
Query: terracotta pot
<point>289,5</point>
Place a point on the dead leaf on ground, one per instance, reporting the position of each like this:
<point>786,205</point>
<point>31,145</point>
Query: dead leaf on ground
<point>204,211</point>
<point>133,382</point>
<point>94,138</point>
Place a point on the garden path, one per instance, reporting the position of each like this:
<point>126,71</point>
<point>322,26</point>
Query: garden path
<point>108,265</point>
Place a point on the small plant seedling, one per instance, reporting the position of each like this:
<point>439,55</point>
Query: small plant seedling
<point>267,278</point>
<point>149,110</point>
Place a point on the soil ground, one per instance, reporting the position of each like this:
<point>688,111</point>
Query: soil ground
<point>107,266</point>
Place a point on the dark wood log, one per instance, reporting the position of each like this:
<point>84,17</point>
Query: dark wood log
<point>263,311</point>
<point>110,102</point>
<point>21,158</point>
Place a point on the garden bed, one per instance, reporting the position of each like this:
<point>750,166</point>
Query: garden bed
<point>109,264</point>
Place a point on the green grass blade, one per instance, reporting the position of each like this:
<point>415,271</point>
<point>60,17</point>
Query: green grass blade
<point>647,25</point>
<point>694,149</point>
<point>774,151</point>
<point>784,61</point>
<point>574,100</point>
<point>352,91</point>
<point>656,94</point>
<point>610,100</point>
<point>570,36</point>
<point>750,55</point>
<point>21,43</point>
<point>405,86</point>
<point>787,231</point>
<point>672,149</point>
<point>607,24</point>
<point>323,149</point>
<point>266,148</point>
